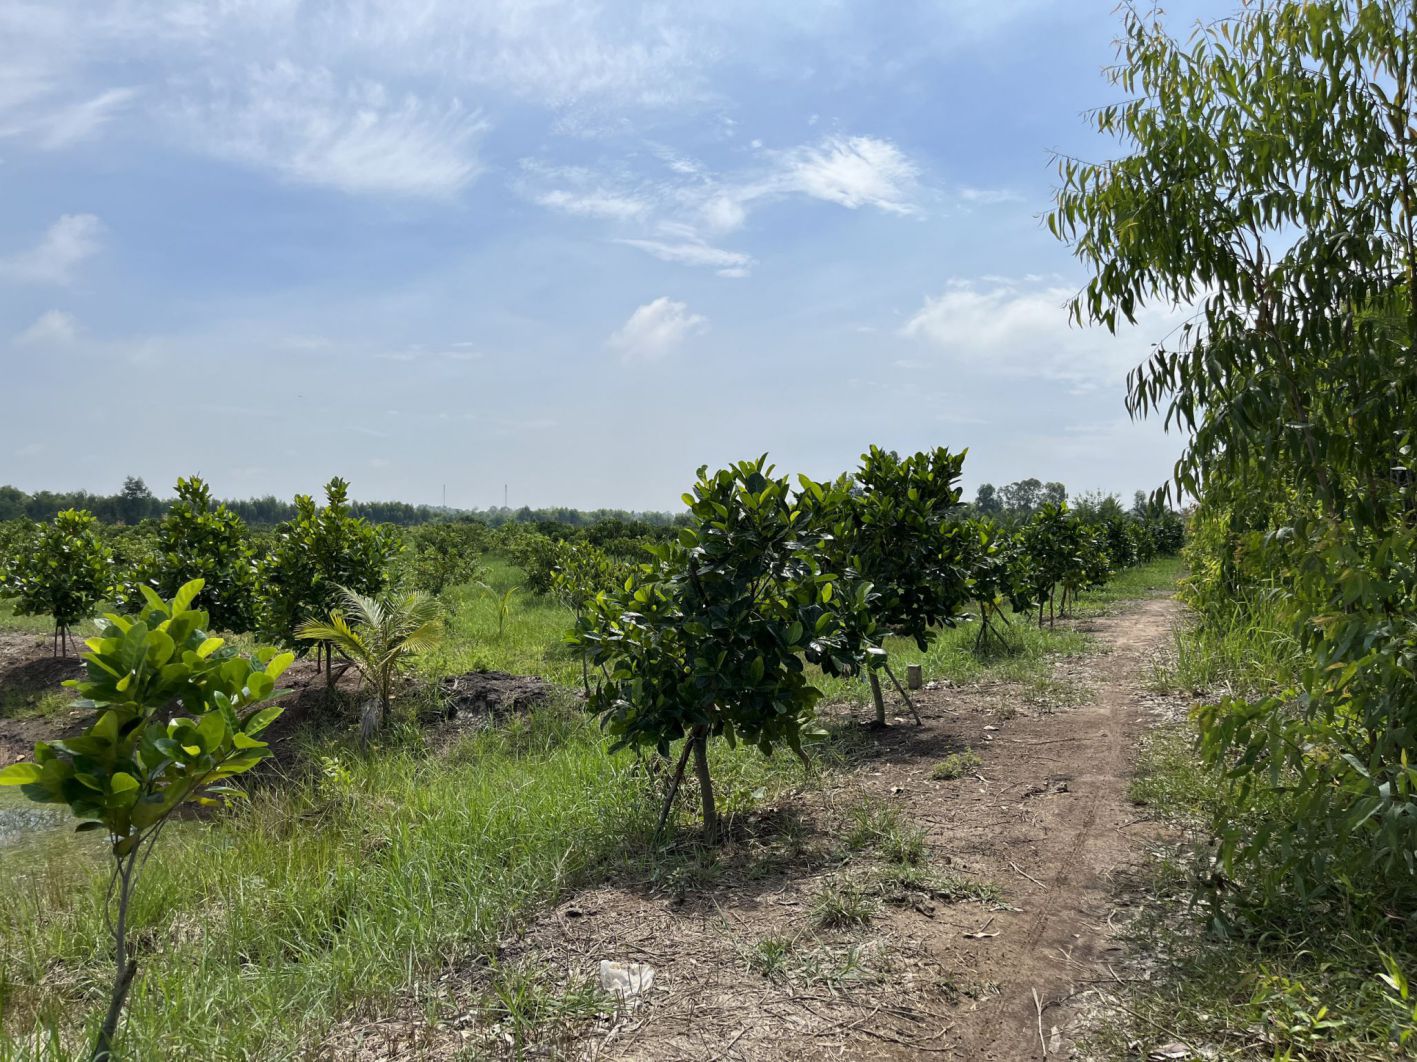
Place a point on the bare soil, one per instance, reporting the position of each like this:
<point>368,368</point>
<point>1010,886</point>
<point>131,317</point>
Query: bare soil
<point>997,965</point>
<point>29,670</point>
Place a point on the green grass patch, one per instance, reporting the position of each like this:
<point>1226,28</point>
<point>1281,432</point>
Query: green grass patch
<point>956,765</point>
<point>256,932</point>
<point>1247,647</point>
<point>1261,986</point>
<point>10,620</point>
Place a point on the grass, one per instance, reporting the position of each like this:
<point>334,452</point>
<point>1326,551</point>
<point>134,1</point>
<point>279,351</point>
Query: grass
<point>1285,982</point>
<point>10,620</point>
<point>343,888</point>
<point>956,765</point>
<point>325,897</point>
<point>1249,650</point>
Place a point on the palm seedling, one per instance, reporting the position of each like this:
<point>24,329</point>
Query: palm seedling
<point>379,635</point>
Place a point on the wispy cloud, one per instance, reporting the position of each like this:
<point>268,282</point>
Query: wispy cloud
<point>67,244</point>
<point>681,210</point>
<point>988,196</point>
<point>355,136</point>
<point>854,172</point>
<point>655,329</point>
<point>696,253</point>
<point>54,328</point>
<point>1022,326</point>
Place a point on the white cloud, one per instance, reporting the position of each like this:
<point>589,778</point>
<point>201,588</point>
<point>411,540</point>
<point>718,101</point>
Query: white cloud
<point>77,121</point>
<point>53,328</point>
<point>655,329</point>
<point>65,245</point>
<point>989,196</point>
<point>1023,327</point>
<point>358,137</point>
<point>606,205</point>
<point>676,213</point>
<point>695,253</point>
<point>854,172</point>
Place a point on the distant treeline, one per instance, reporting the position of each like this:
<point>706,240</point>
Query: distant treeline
<point>135,503</point>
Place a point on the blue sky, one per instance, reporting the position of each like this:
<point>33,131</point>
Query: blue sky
<point>578,248</point>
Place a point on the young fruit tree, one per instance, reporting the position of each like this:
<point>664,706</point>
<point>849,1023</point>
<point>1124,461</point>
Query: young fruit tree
<point>1264,178</point>
<point>712,638</point>
<point>580,572</point>
<point>176,715</point>
<point>60,569</point>
<point>378,635</point>
<point>897,529</point>
<point>439,556</point>
<point>200,538</point>
<point>317,557</point>
<point>998,577</point>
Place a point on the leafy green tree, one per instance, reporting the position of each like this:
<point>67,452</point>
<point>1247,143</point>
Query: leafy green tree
<point>60,569</point>
<point>901,534</point>
<point>379,636</point>
<point>135,501</point>
<point>439,556</point>
<point>999,577</point>
<point>1022,497</point>
<point>176,716</point>
<point>317,557</point>
<point>200,538</point>
<point>1056,545</point>
<point>986,500</point>
<point>581,572</point>
<point>1265,179</point>
<point>712,637</point>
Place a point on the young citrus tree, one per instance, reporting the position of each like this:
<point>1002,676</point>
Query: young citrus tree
<point>176,715</point>
<point>999,578</point>
<point>712,638</point>
<point>896,527</point>
<point>60,569</point>
<point>200,538</point>
<point>580,572</point>
<point>439,556</point>
<point>317,557</point>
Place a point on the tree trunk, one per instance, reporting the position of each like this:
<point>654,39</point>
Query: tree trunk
<point>126,967</point>
<point>701,768</point>
<point>876,697</point>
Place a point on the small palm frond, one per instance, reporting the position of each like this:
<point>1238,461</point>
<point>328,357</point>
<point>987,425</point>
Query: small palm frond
<point>375,634</point>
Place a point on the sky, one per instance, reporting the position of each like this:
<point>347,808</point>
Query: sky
<point>566,248</point>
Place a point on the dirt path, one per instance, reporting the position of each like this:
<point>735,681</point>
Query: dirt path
<point>1064,847</point>
<point>1004,946</point>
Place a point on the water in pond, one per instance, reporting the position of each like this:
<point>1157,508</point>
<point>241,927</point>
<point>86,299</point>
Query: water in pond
<point>23,823</point>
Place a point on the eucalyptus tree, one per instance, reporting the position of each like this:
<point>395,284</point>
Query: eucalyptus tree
<point>711,638</point>
<point>1266,182</point>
